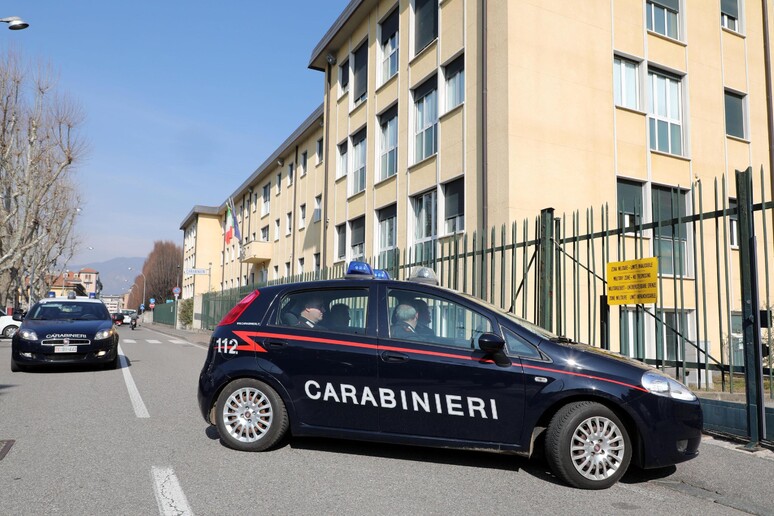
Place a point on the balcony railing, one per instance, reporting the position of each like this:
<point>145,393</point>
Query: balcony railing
<point>256,252</point>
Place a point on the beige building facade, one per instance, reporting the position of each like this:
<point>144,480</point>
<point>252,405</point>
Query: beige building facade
<point>443,117</point>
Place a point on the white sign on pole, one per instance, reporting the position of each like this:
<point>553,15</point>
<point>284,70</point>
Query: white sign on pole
<point>191,271</point>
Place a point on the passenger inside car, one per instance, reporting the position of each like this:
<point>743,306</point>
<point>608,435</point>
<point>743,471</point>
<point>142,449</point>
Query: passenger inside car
<point>337,318</point>
<point>423,317</point>
<point>406,320</point>
<point>312,313</point>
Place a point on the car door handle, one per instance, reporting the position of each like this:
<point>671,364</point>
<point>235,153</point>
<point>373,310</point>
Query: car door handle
<point>277,343</point>
<point>389,356</point>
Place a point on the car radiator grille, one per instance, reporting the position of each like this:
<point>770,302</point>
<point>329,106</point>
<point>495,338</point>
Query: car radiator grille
<point>65,342</point>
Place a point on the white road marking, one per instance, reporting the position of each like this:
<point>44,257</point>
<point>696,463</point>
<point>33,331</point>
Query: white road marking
<point>169,495</point>
<point>152,341</point>
<point>134,394</point>
<point>130,341</point>
<point>179,341</point>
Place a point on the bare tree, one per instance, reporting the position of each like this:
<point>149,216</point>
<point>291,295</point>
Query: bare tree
<point>39,149</point>
<point>162,272</point>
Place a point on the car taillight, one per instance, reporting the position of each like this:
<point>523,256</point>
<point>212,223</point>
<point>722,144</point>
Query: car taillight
<point>240,307</point>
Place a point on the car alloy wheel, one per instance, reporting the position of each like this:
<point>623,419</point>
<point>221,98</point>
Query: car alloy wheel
<point>250,415</point>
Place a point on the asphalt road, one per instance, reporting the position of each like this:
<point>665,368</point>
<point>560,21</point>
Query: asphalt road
<point>131,441</point>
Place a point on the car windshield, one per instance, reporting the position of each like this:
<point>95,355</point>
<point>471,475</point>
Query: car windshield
<point>68,311</point>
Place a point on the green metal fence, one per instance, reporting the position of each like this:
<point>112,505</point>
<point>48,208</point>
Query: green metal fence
<point>164,314</point>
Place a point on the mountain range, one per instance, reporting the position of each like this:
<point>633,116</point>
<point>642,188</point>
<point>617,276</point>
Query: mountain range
<point>115,275</point>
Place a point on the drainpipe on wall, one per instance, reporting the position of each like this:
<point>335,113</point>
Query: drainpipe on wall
<point>326,144</point>
<point>769,107</point>
<point>294,215</point>
<point>484,143</point>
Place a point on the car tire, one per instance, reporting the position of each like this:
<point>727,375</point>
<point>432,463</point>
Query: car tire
<point>587,445</point>
<point>113,364</point>
<point>9,331</point>
<point>250,415</point>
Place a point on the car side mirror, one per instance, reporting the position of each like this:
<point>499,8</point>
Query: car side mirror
<point>491,343</point>
<point>17,316</point>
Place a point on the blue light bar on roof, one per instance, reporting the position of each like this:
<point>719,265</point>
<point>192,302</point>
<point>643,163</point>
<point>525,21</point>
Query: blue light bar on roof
<point>381,274</point>
<point>51,293</point>
<point>359,270</point>
<point>92,295</point>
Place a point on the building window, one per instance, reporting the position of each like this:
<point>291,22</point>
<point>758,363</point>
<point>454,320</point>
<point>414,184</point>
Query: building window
<point>424,226</point>
<point>734,114</point>
<point>319,152</point>
<point>425,23</point>
<point>671,239</point>
<point>276,272</point>
<point>276,229</point>
<point>266,195</point>
<point>279,182</point>
<point>291,170</point>
<point>386,218</point>
<point>303,164</point>
<point>287,269</point>
<point>341,241</point>
<point>733,224</point>
<point>358,162</point>
<point>255,201</point>
<point>662,17</point>
<point>729,14</point>
<point>289,222</point>
<point>665,113</point>
<point>629,198</point>
<point>300,266</point>
<point>675,327</point>
<point>455,83</point>
<point>316,257</point>
<point>625,83</point>
<point>389,46</point>
<point>341,169</point>
<point>360,74</point>
<point>357,239</point>
<point>302,216</point>
<point>317,208</point>
<point>265,234</point>
<point>426,123</point>
<point>388,144</point>
<point>344,77</point>
<point>454,197</point>
<point>632,328</point>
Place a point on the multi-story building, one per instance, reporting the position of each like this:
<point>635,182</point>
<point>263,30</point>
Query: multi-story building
<point>442,117</point>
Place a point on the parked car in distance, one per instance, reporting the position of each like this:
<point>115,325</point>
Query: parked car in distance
<point>7,325</point>
<point>118,318</point>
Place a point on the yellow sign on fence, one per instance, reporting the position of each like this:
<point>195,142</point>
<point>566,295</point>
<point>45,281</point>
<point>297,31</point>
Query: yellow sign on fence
<point>632,282</point>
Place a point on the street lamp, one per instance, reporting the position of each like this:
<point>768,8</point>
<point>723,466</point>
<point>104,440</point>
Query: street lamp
<point>15,23</point>
<point>144,281</point>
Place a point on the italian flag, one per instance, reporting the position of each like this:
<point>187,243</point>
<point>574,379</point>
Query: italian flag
<point>229,224</point>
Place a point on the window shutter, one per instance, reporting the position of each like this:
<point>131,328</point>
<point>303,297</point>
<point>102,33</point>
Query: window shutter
<point>389,26</point>
<point>361,70</point>
<point>425,88</point>
<point>669,4</point>
<point>425,23</point>
<point>455,198</point>
<point>730,7</point>
<point>358,231</point>
<point>387,213</point>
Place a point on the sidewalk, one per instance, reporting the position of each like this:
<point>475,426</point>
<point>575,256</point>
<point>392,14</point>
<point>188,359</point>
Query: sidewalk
<point>196,336</point>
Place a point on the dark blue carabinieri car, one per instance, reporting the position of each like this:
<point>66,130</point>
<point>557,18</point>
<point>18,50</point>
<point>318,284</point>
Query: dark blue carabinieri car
<point>410,362</point>
<point>65,331</point>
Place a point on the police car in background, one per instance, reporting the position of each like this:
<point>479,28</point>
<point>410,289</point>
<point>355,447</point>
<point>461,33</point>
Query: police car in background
<point>65,331</point>
<point>419,364</point>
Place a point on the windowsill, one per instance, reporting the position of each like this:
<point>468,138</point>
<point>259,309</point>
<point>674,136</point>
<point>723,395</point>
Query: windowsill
<point>423,161</point>
<point>631,110</point>
<point>738,139</point>
<point>667,38</point>
<point>358,106</point>
<point>676,156</point>
<point>358,194</point>
<point>430,46</point>
<point>733,32</point>
<point>387,82</point>
<point>386,179</point>
<point>338,179</point>
<point>342,94</point>
<point>456,108</point>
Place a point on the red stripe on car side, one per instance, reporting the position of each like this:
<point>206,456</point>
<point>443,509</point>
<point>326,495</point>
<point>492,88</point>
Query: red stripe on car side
<point>246,335</point>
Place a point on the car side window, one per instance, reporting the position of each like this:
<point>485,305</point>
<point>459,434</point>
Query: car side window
<point>519,346</point>
<point>333,310</point>
<point>434,319</point>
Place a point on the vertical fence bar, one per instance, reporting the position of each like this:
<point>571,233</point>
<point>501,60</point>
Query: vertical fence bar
<point>660,334</point>
<point>768,298</point>
<point>559,310</point>
<point>728,288</point>
<point>514,264</point>
<point>564,270</point>
<point>525,270</point>
<point>698,243</point>
<point>492,267</point>
<point>719,289</point>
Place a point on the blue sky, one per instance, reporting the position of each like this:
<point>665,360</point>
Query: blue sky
<point>183,100</point>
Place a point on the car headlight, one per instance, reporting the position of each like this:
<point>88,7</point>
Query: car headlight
<point>103,334</point>
<point>28,334</point>
<point>661,385</point>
